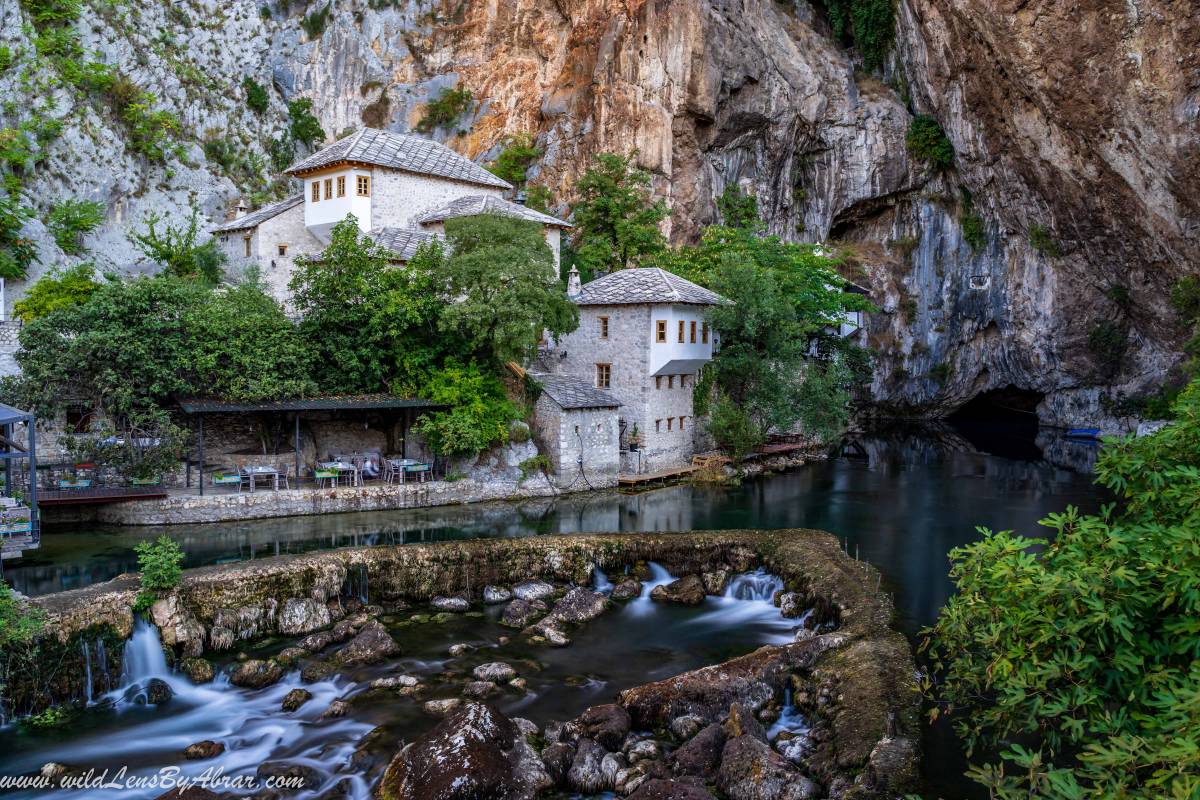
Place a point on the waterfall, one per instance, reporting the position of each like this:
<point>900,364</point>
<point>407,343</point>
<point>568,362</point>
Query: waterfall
<point>356,584</point>
<point>658,577</point>
<point>102,660</point>
<point>600,581</point>
<point>757,585</point>
<point>363,594</point>
<point>144,657</point>
<point>87,670</point>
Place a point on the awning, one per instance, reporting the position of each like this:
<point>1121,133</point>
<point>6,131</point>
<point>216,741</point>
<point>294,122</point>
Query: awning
<point>346,403</point>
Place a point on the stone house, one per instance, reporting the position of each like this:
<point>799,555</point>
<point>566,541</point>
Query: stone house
<point>643,337</point>
<point>578,429</point>
<point>400,188</point>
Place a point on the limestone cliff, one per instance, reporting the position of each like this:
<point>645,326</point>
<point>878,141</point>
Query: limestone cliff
<point>1076,124</point>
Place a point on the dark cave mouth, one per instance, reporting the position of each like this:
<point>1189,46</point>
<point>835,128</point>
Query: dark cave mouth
<point>1001,421</point>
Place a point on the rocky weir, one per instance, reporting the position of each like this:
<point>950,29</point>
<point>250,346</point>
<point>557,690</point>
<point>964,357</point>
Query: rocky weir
<point>829,707</point>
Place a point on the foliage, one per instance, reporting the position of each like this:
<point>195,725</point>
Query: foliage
<point>151,132</point>
<point>973,231</point>
<point>539,198</point>
<point>49,718</point>
<point>732,428</point>
<point>281,152</point>
<point>159,564</point>
<point>175,248</point>
<point>514,160</point>
<point>1078,655</point>
<point>19,621</point>
<point>1119,294</point>
<point>17,251</point>
<point>928,142</point>
<point>1042,240</point>
<point>369,326</point>
<point>446,109</point>
<point>478,416</point>
<point>303,127</point>
<point>616,217</point>
<point>1108,340</point>
<point>738,209</point>
<point>501,272</point>
<point>533,465</point>
<point>941,372</point>
<point>256,96</point>
<point>314,23</point>
<point>58,289</point>
<point>868,24</point>
<point>70,220</point>
<point>1185,298</point>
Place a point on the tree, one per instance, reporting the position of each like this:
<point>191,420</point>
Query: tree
<point>1077,656</point>
<point>58,289</point>
<point>501,273</point>
<point>514,160</point>
<point>73,219</point>
<point>617,218</point>
<point>478,413</point>
<point>738,209</point>
<point>303,126</point>
<point>175,247</point>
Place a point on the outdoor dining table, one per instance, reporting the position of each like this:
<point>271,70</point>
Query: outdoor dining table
<point>344,466</point>
<point>257,472</point>
<point>399,465</point>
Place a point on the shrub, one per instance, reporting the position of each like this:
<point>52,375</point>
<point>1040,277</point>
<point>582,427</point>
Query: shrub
<point>71,220</point>
<point>282,152</point>
<point>150,132</point>
<point>17,251</point>
<point>539,198</point>
<point>738,209</point>
<point>478,416</point>
<point>869,24</point>
<point>1108,341</point>
<point>304,128</point>
<point>314,23</point>
<point>256,96</point>
<point>7,57</point>
<point>940,372</point>
<point>175,247</point>
<point>223,153</point>
<point>1185,298</point>
<point>57,290</point>
<point>19,621</point>
<point>516,157</point>
<point>973,231</point>
<point>159,564</point>
<point>1043,241</point>
<point>446,109</point>
<point>535,464</point>
<point>733,430</point>
<point>1119,295</point>
<point>928,142</point>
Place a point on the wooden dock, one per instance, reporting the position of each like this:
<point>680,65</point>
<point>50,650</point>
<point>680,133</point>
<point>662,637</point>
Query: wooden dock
<point>661,476</point>
<point>99,494</point>
<point>14,546</point>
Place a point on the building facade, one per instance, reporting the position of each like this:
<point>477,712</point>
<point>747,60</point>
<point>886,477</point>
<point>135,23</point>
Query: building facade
<point>578,430</point>
<point>643,337</point>
<point>401,189</point>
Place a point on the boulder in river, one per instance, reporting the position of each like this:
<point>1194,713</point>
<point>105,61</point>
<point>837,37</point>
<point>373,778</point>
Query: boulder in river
<point>255,674</point>
<point>586,775</point>
<point>670,789</point>
<point>316,671</point>
<point>454,604</point>
<point>372,645</point>
<point>289,778</point>
<point>220,638</point>
<point>336,710</point>
<point>701,754</point>
<point>494,595</point>
<point>158,692</point>
<point>479,689</point>
<point>494,671</point>
<point>627,589</point>
<point>533,590</point>
<point>519,613</point>
<point>790,604</point>
<point>578,605</point>
<point>443,707</point>
<point>688,591</point>
<point>558,758</point>
<point>296,698</point>
<point>607,724</point>
<point>205,749</point>
<point>751,770</point>
<point>686,726</point>
<point>715,581</point>
<point>198,670</point>
<point>475,752</point>
<point>742,723</point>
<point>302,615</point>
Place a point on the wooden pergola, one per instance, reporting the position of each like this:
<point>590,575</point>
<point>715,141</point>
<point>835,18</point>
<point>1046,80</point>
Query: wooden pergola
<point>11,451</point>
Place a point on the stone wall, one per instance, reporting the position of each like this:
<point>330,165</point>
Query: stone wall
<point>9,330</point>
<point>560,432</point>
<point>399,197</point>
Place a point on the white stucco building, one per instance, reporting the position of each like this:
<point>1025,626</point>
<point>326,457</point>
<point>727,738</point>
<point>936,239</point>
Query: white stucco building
<point>643,337</point>
<point>400,188</point>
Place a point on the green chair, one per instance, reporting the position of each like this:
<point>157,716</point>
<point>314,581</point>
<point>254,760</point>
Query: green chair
<point>155,481</point>
<point>74,483</point>
<point>322,475</point>
<point>222,478</point>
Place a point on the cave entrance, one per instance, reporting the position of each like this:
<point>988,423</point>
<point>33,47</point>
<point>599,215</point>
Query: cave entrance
<point>1002,422</point>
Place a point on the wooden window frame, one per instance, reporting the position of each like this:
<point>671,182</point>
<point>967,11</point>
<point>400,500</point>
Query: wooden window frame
<point>704,333</point>
<point>341,186</point>
<point>282,250</point>
<point>603,376</point>
<point>246,242</point>
<point>681,330</point>
<point>362,185</point>
<point>603,327</point>
<point>658,426</point>
<point>670,381</point>
<point>670,424</point>
<point>681,419</point>
<point>316,191</point>
<point>660,331</point>
<point>658,381</point>
<point>329,188</point>
<point>692,332</point>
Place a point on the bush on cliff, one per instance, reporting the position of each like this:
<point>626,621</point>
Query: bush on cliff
<point>19,622</point>
<point>159,564</point>
<point>1079,657</point>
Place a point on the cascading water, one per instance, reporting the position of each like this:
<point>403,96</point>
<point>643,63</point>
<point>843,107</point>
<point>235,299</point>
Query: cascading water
<point>658,577</point>
<point>791,722</point>
<point>356,584</point>
<point>87,671</point>
<point>757,585</point>
<point>749,599</point>
<point>600,581</point>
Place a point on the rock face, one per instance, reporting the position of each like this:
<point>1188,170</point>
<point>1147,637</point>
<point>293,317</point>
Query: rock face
<point>302,615</point>
<point>688,591</point>
<point>471,753</point>
<point>750,770</point>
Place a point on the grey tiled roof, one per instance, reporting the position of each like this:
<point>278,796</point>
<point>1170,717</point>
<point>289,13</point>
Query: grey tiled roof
<point>644,285</point>
<point>571,392</point>
<point>400,151</point>
<point>256,218</point>
<point>401,241</point>
<point>474,204</point>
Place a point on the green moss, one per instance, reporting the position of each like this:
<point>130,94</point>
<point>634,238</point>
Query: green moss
<point>446,109</point>
<point>870,25</point>
<point>256,96</point>
<point>314,23</point>
<point>1043,241</point>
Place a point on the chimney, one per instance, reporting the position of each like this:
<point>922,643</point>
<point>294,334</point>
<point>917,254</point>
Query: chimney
<point>573,285</point>
<point>519,197</point>
<point>240,210</point>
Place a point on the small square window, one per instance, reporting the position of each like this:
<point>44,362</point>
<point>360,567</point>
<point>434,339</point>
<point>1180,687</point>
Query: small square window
<point>658,381</point>
<point>341,186</point>
<point>282,249</point>
<point>670,422</point>
<point>316,191</point>
<point>604,327</point>
<point>657,425</point>
<point>681,328</point>
<point>681,419</point>
<point>704,333</point>
<point>670,381</point>
<point>692,332</point>
<point>683,381</point>
<point>363,185</point>
<point>660,331</point>
<point>329,188</point>
<point>246,242</point>
<point>603,376</point>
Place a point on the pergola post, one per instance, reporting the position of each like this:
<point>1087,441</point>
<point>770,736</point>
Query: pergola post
<point>200,442</point>
<point>35,524</point>
<point>296,450</point>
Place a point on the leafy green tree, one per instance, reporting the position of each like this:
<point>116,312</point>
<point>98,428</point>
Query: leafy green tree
<point>869,24</point>
<point>1077,656</point>
<point>256,96</point>
<point>303,127</point>
<point>16,249</point>
<point>159,563</point>
<point>514,160</point>
<point>616,218</point>
<point>73,219</point>
<point>59,289</point>
<point>176,248</point>
<point>928,142</point>
<point>738,209</point>
<point>446,109</point>
<point>478,414</point>
<point>19,622</point>
<point>501,273</point>
<point>539,198</point>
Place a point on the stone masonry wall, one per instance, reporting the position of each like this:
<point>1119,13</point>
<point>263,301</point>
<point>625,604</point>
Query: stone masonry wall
<point>9,329</point>
<point>597,429</point>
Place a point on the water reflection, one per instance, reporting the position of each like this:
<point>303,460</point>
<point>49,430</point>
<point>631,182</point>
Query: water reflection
<point>909,497</point>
